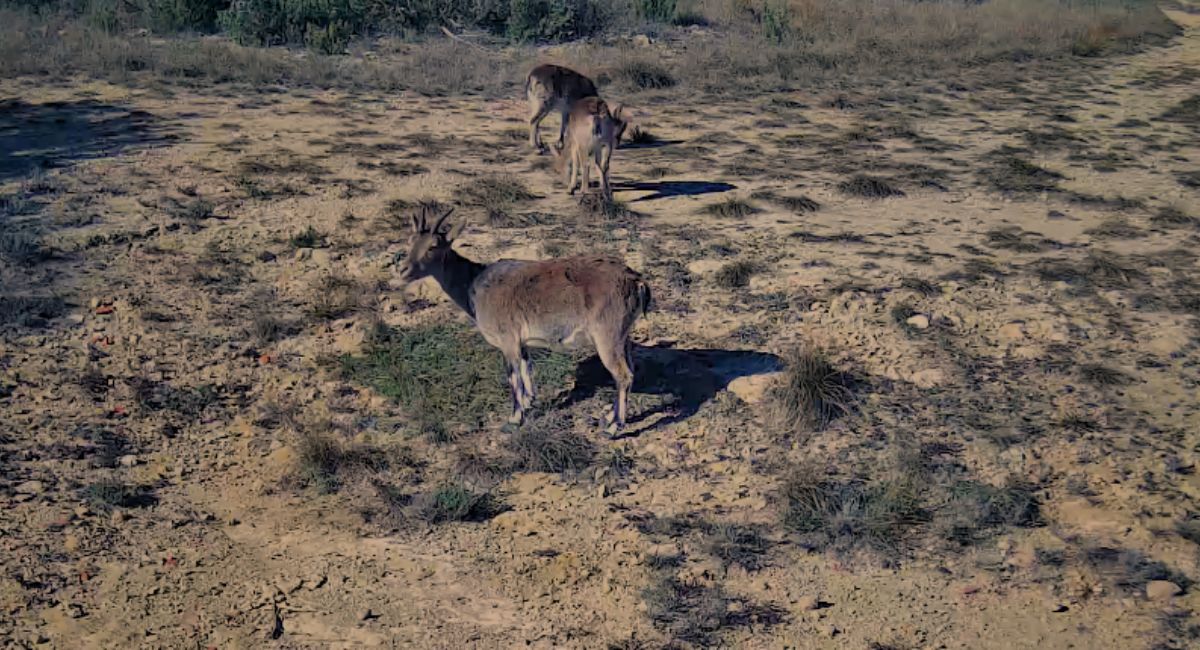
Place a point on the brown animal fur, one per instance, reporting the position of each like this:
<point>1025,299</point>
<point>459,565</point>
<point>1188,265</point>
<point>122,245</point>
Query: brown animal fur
<point>517,304</point>
<point>594,130</point>
<point>551,87</point>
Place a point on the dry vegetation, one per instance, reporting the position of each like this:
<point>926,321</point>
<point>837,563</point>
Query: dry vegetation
<point>920,371</point>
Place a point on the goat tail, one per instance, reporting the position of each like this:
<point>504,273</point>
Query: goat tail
<point>645,300</point>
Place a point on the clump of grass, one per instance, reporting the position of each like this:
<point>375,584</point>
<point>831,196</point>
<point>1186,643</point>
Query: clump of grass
<point>797,204</point>
<point>697,614</point>
<point>1186,111</point>
<point>1129,570</point>
<point>30,311</point>
<point>337,296</point>
<point>326,463</point>
<point>193,210</point>
<point>548,444</point>
<point>852,515</point>
<point>731,208</point>
<point>1172,217</point>
<point>735,275</point>
<point>734,544</point>
<point>452,502</point>
<point>22,248</point>
<point>595,206</point>
<point>921,286</point>
<point>310,237</point>
<point>642,74</point>
<point>641,137</point>
<point>1115,229</point>
<point>1189,179</point>
<point>495,195</point>
<point>1014,239</point>
<point>869,187</point>
<point>107,494</point>
<point>1098,374</point>
<point>974,511</point>
<point>1012,174</point>
<point>812,393</point>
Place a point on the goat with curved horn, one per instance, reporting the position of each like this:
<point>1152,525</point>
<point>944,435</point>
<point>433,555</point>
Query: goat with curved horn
<point>518,304</point>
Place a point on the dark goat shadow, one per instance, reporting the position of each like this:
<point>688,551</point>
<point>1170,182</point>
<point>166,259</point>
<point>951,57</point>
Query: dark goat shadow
<point>56,134</point>
<point>667,189</point>
<point>691,376</point>
<point>656,144</point>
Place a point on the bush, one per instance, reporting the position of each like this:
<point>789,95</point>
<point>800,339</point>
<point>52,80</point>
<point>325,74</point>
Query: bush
<point>659,11</point>
<point>552,20</point>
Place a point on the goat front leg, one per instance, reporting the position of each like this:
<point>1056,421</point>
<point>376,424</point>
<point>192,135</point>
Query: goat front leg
<point>526,375</point>
<point>518,399</point>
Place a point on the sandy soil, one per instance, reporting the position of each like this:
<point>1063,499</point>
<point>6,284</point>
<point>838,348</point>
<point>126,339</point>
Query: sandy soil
<point>171,213</point>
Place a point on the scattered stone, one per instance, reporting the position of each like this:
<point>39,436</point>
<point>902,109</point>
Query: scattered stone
<point>832,631</point>
<point>119,516</point>
<point>1162,589</point>
<point>302,254</point>
<point>919,321</point>
<point>31,487</point>
<point>752,389</point>
<point>1058,608</point>
<point>71,543</point>
<point>1012,331</point>
<point>808,603</point>
<point>128,460</point>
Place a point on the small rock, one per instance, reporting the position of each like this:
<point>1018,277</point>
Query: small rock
<point>31,487</point>
<point>119,516</point>
<point>1058,608</point>
<point>128,460</point>
<point>302,254</point>
<point>1012,331</point>
<point>82,511</point>
<point>919,321</point>
<point>71,543</point>
<point>641,40</point>
<point>832,631</point>
<point>1162,589</point>
<point>807,603</point>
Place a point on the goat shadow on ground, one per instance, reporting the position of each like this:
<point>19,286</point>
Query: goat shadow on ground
<point>691,376</point>
<point>56,134</point>
<point>657,144</point>
<point>667,189</point>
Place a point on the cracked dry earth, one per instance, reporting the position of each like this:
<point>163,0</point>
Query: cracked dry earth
<point>1032,320</point>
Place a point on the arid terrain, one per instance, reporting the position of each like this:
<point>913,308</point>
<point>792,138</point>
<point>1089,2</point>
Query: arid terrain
<point>224,422</point>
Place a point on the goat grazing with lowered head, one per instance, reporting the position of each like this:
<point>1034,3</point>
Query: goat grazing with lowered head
<point>516,304</point>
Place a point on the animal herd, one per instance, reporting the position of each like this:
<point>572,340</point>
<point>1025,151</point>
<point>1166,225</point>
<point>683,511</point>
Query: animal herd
<point>558,303</point>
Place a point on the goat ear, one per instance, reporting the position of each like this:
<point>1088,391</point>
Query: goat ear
<point>455,230</point>
<point>416,222</point>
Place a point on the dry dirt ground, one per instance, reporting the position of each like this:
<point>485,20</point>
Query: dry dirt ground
<point>1024,313</point>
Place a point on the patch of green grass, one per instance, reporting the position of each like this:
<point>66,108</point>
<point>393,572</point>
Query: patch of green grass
<point>869,187</point>
<point>446,373</point>
<point>811,393</point>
